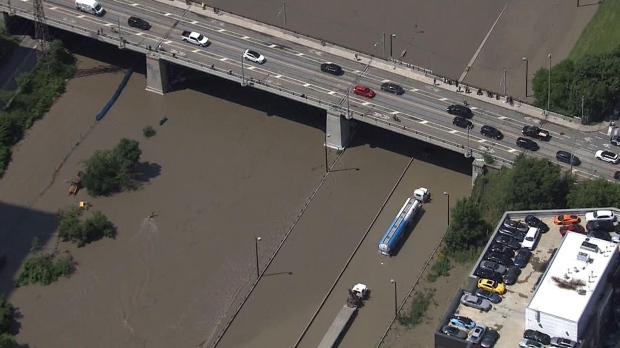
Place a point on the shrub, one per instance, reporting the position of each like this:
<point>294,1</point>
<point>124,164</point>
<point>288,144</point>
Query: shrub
<point>44,269</point>
<point>111,171</point>
<point>441,268</point>
<point>149,131</point>
<point>72,229</point>
<point>419,305</point>
<point>488,159</point>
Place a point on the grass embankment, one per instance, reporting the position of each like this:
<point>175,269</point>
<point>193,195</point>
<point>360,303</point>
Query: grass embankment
<point>602,34</point>
<point>37,91</point>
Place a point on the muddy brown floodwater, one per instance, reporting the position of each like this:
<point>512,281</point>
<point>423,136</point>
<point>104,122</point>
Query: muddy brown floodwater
<point>229,165</point>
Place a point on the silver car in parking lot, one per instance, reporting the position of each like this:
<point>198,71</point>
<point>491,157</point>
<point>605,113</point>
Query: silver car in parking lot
<point>474,301</point>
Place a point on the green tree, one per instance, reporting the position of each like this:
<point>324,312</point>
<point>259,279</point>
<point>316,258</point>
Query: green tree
<point>467,228</point>
<point>7,341</point>
<point>44,268</point>
<point>72,229</point>
<point>6,315</point>
<point>594,193</point>
<point>108,172</point>
<point>536,184</point>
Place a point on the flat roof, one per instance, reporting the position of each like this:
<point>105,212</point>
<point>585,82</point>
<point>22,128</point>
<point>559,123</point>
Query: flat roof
<point>579,275</point>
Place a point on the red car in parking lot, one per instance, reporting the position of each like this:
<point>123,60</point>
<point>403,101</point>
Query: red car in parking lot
<point>364,91</point>
<point>572,228</point>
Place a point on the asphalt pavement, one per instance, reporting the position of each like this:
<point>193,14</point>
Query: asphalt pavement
<point>420,111</point>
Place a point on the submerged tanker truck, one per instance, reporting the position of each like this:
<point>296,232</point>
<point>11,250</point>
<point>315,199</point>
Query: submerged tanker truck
<point>357,295</point>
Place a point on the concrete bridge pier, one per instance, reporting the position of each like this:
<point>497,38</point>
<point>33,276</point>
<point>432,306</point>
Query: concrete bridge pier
<point>339,130</point>
<point>156,74</point>
<point>478,168</point>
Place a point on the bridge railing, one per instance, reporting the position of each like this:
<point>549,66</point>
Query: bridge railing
<point>176,58</point>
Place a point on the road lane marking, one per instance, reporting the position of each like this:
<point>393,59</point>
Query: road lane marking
<point>454,131</point>
<point>384,81</point>
<point>221,30</point>
<point>474,108</point>
<point>482,141</point>
<point>245,38</point>
<point>167,42</point>
<point>307,85</point>
<point>251,68</point>
<point>194,22</point>
<point>139,34</point>
<point>502,117</point>
<point>109,25</point>
<point>223,59</point>
<point>513,150</point>
<point>81,16</point>
<point>443,99</point>
<point>53,8</point>
<point>331,93</point>
<point>196,51</point>
<point>135,5</point>
<point>366,103</point>
<point>277,76</point>
<point>299,54</point>
<point>167,14</point>
<point>413,90</point>
<point>423,122</point>
<point>394,113</point>
<point>273,46</point>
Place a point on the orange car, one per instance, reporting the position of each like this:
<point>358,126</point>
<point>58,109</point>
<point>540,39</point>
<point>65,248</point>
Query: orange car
<point>566,219</point>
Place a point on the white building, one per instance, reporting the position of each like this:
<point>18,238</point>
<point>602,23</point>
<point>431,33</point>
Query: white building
<point>568,296</point>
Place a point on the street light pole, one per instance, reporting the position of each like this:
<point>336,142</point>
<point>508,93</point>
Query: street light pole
<point>326,165</point>
<point>242,71</point>
<point>549,84</point>
<point>448,195</point>
<point>572,154</point>
<point>526,73</point>
<point>391,43</point>
<point>395,298</point>
<point>258,239</point>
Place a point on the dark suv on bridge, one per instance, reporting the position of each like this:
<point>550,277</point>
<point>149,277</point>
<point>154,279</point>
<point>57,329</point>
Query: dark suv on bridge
<point>332,68</point>
<point>460,110</point>
<point>138,23</point>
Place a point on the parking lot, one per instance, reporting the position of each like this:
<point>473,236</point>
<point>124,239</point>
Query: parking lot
<point>508,316</point>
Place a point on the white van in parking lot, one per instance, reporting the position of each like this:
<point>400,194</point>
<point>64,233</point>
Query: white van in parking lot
<point>530,238</point>
<point>89,6</point>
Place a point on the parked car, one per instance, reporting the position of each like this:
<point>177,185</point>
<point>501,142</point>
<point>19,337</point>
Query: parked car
<point>525,343</point>
<point>607,215</point>
<point>500,258</point>
<point>491,132</point>
<point>600,235</point>
<point>518,235</point>
<point>536,132</point>
<point>489,338</point>
<point>566,219</point>
<point>392,88</point>
<point>530,238</point>
<point>563,342</point>
<point>332,68</point>
<point>493,266</point>
<point>488,274</point>
<point>454,332</point>
<point>508,241</point>
<point>515,225</point>
<point>254,56</point>
<point>460,110</point>
<point>607,156</point>
<point>462,322</point>
<point>572,228</point>
<point>615,140</point>
<point>510,277</point>
<point>364,91</point>
<point>537,336</point>
<point>491,297</point>
<point>523,257</point>
<point>600,225</point>
<point>491,286</point>
<point>533,221</point>
<point>502,249</point>
<point>476,302</point>
<point>475,336</point>
<point>139,23</point>
<point>567,157</point>
<point>527,144</point>
<point>462,122</point>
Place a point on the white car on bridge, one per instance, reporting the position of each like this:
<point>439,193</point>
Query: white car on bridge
<point>253,56</point>
<point>195,38</point>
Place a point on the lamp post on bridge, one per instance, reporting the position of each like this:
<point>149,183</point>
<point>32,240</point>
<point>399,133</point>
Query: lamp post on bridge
<point>526,73</point>
<point>448,195</point>
<point>258,239</point>
<point>242,71</point>
<point>391,45</point>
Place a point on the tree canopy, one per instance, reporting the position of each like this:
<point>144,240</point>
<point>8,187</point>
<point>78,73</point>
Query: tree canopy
<point>596,78</point>
<point>594,193</point>
<point>111,171</point>
<point>72,229</point>
<point>467,228</point>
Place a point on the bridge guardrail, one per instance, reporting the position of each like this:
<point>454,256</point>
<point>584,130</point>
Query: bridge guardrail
<point>174,57</point>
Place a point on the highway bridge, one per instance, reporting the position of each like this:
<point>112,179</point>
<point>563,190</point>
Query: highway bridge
<point>292,70</point>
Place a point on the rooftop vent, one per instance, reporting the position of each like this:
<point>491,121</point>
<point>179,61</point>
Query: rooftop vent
<point>589,247</point>
<point>584,257</point>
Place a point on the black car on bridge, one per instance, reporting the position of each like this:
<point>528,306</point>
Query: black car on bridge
<point>491,132</point>
<point>536,132</point>
<point>527,144</point>
<point>462,122</point>
<point>332,68</point>
<point>460,110</point>
<point>393,88</point>
<point>139,23</point>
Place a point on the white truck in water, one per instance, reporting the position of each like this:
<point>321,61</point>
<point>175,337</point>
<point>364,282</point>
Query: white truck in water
<point>357,295</point>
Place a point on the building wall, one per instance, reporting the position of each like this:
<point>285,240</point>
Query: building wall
<point>550,324</point>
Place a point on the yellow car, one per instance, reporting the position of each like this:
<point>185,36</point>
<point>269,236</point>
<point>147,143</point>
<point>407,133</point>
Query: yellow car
<point>491,286</point>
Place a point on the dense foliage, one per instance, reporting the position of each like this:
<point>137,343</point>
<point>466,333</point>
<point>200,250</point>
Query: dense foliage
<point>37,91</point>
<point>72,229</point>
<point>596,78</point>
<point>7,313</point>
<point>111,171</point>
<point>532,184</point>
<point>45,268</point>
